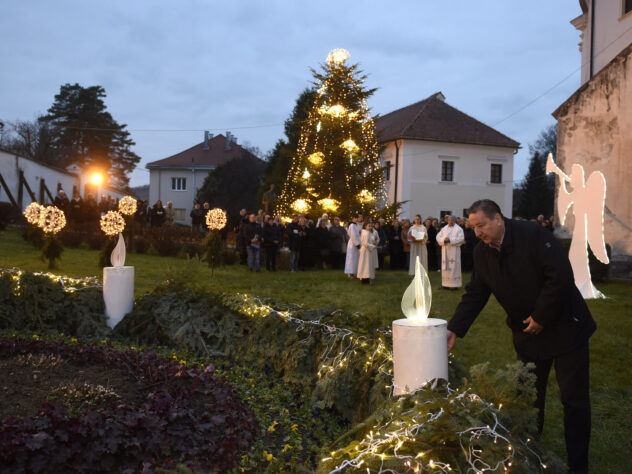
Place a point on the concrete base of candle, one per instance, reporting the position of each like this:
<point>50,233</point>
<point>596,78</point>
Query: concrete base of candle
<point>118,292</point>
<point>420,353</point>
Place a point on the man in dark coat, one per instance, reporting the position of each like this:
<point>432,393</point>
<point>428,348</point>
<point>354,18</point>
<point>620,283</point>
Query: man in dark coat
<point>529,273</point>
<point>395,249</point>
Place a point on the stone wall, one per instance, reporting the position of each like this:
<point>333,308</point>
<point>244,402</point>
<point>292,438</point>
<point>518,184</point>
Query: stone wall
<point>595,130</point>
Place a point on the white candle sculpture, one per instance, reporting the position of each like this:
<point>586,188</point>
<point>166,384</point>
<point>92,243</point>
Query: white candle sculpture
<point>420,350</point>
<point>118,285</point>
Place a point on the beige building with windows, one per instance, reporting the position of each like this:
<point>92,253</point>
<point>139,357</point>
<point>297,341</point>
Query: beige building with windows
<point>440,160</point>
<point>595,123</point>
<point>177,178</point>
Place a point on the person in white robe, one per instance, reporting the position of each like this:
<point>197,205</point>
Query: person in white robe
<point>450,238</point>
<point>353,248</point>
<point>417,238</point>
<point>368,253</point>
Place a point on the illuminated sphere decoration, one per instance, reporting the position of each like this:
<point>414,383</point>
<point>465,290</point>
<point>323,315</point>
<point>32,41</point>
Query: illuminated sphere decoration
<point>365,196</point>
<point>316,158</point>
<point>349,145</point>
<point>334,110</point>
<point>32,213</point>
<point>52,219</point>
<point>127,205</point>
<point>338,56</point>
<point>216,219</point>
<point>300,205</point>
<point>328,204</point>
<point>112,223</point>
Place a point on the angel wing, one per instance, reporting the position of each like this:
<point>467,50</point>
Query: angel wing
<point>564,201</point>
<point>596,190</point>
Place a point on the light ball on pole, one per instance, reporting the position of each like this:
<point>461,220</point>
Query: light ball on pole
<point>112,223</point>
<point>216,219</point>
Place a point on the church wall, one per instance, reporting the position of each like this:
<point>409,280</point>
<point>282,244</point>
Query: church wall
<point>594,127</point>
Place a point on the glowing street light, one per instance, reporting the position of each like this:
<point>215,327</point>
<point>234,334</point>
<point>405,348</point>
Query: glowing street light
<point>96,178</point>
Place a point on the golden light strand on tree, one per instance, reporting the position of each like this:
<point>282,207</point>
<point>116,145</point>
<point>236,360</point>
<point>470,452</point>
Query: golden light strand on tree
<point>32,213</point>
<point>112,223</point>
<point>51,219</point>
<point>127,205</point>
<point>216,219</point>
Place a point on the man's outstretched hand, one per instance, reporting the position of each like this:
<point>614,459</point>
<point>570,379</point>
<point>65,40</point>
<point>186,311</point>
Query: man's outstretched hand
<point>533,327</point>
<point>451,340</point>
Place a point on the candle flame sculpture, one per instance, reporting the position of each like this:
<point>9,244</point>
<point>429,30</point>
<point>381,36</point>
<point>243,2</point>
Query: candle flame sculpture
<point>118,254</point>
<point>417,298</point>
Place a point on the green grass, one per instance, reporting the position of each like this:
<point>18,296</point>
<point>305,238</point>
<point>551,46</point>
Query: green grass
<point>488,339</point>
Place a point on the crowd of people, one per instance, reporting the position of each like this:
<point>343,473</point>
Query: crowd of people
<point>360,246</point>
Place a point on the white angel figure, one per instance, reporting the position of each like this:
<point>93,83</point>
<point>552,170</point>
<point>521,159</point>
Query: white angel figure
<point>587,198</point>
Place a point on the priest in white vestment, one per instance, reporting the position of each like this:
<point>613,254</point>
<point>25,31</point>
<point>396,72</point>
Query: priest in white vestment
<point>450,238</point>
<point>353,248</point>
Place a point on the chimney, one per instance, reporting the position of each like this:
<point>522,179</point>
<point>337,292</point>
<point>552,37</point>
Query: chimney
<point>229,138</point>
<point>207,136</point>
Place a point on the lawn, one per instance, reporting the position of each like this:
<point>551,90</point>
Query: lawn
<point>488,339</point>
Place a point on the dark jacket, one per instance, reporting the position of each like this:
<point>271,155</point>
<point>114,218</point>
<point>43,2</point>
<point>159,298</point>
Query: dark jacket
<point>157,216</point>
<point>530,276</point>
<point>322,238</point>
<point>271,233</point>
<point>393,236</point>
<point>253,233</point>
<point>292,236</point>
<point>337,238</point>
<point>197,216</point>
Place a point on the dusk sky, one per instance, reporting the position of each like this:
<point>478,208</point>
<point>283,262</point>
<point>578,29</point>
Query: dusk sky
<point>174,69</point>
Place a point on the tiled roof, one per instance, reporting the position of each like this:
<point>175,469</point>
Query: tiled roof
<point>433,119</point>
<point>198,157</point>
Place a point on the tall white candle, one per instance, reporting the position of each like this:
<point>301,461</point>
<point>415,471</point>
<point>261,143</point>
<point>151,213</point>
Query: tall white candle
<point>420,353</point>
<point>118,286</point>
<point>118,293</point>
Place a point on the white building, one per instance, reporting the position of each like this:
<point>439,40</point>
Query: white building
<point>595,123</point>
<point>178,178</point>
<point>23,181</point>
<point>442,160</point>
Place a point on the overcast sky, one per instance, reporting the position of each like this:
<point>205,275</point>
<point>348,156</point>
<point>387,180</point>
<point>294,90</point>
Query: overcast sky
<point>240,65</point>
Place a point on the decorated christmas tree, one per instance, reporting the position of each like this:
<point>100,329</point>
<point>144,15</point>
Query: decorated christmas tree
<point>336,168</point>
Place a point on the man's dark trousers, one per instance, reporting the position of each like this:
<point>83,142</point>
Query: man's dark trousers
<point>571,371</point>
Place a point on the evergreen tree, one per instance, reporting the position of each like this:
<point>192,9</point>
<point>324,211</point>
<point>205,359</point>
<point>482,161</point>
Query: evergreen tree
<point>280,159</point>
<point>336,164</point>
<point>87,133</point>
<point>536,192</point>
<point>233,185</point>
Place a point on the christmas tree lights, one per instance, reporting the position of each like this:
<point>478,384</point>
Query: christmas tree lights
<point>337,158</point>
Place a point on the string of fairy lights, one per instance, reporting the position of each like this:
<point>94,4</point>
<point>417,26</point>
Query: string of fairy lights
<point>337,165</point>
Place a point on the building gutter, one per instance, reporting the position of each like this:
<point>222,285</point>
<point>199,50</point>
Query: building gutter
<point>592,38</point>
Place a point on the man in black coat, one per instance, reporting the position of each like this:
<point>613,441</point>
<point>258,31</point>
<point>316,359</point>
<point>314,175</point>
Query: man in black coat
<point>529,273</point>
